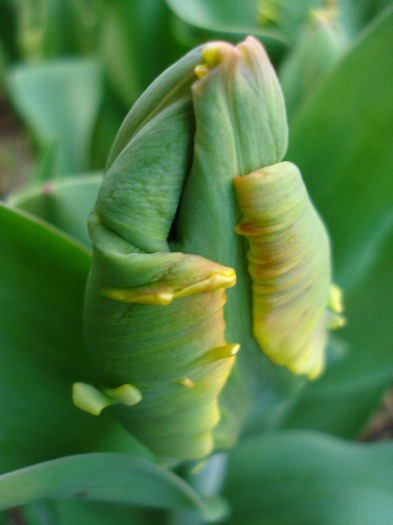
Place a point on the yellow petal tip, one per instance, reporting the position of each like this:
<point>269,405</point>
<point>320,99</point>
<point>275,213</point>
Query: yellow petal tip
<point>335,300</point>
<point>90,399</point>
<point>187,382</point>
<point>126,394</point>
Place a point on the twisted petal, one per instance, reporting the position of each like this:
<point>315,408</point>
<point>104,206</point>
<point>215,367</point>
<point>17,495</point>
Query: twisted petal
<point>289,263</point>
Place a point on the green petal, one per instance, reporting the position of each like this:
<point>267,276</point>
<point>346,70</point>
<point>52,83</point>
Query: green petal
<point>289,262</point>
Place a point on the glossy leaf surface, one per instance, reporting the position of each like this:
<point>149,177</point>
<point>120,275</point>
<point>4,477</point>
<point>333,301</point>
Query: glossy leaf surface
<point>307,478</point>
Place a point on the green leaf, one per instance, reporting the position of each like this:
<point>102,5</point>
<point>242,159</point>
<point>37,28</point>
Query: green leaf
<point>342,143</point>
<point>42,281</point>
<point>201,20</point>
<point>89,512</point>
<point>39,30</point>
<point>65,204</point>
<point>104,477</point>
<point>310,479</point>
<point>59,100</point>
<point>319,44</point>
<point>133,58</point>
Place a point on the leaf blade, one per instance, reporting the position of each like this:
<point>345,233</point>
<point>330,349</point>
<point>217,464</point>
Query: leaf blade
<point>110,477</point>
<point>308,478</point>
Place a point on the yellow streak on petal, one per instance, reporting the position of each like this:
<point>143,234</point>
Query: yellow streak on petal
<point>213,55</point>
<point>186,381</point>
<point>220,352</point>
<point>201,69</point>
<point>89,398</point>
<point>126,394</point>
<point>163,293</point>
<point>164,298</point>
<point>335,321</point>
<point>151,296</point>
<point>223,279</point>
<point>212,52</point>
<point>335,301</point>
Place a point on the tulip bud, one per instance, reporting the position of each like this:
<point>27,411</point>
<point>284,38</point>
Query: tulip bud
<point>168,300</point>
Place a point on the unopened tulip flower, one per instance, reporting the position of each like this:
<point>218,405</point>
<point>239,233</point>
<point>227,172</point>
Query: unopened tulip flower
<point>210,262</point>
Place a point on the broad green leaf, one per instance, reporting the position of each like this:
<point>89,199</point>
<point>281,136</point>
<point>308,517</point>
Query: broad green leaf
<point>42,280</point>
<point>59,100</point>
<point>66,512</point>
<point>65,204</point>
<point>305,478</point>
<point>104,477</point>
<point>342,143</point>
<point>320,42</point>
<point>134,43</point>
<point>287,16</point>
<point>358,13</point>
<point>200,20</point>
<point>216,15</point>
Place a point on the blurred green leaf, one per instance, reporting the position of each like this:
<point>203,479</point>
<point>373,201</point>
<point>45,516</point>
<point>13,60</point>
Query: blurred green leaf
<point>343,144</point>
<point>38,31</point>
<point>287,16</point>
<point>135,44</point>
<point>8,29</point>
<point>307,478</point>
<point>109,120</point>
<point>52,28</point>
<point>42,281</point>
<point>65,204</point>
<point>362,11</point>
<point>318,45</point>
<point>200,20</point>
<point>216,15</point>
<point>67,512</point>
<point>59,100</point>
<point>105,477</point>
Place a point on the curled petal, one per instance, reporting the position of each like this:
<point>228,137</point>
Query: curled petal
<point>289,263</point>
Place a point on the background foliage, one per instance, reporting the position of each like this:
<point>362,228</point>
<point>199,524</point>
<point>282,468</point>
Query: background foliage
<point>71,69</point>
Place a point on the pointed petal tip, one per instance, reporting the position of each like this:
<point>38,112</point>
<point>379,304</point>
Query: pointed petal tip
<point>89,398</point>
<point>125,394</point>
